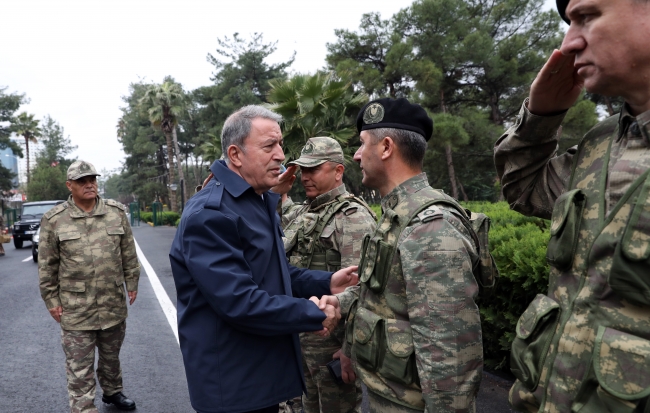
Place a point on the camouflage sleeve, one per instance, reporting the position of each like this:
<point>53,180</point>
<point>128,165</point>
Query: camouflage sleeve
<point>130,264</point>
<point>351,227</point>
<point>436,259</point>
<point>289,212</point>
<point>532,175</point>
<point>48,265</point>
<point>346,299</point>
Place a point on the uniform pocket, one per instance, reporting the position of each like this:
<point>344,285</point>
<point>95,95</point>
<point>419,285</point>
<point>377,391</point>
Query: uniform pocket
<point>115,230</point>
<point>368,337</point>
<point>622,367</point>
<point>628,276</point>
<point>534,332</point>
<point>71,293</point>
<point>375,275</point>
<point>398,363</point>
<point>565,223</point>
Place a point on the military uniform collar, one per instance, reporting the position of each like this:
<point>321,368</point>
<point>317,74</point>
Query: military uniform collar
<point>403,190</point>
<point>327,197</point>
<point>638,126</point>
<point>76,212</point>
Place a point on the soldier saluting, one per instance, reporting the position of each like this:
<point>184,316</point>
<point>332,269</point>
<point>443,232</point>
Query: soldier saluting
<point>325,233</point>
<point>86,255</point>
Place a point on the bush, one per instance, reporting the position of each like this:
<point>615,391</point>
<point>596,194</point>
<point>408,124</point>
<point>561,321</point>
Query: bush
<point>178,222</point>
<point>168,217</point>
<point>376,208</point>
<point>518,244</point>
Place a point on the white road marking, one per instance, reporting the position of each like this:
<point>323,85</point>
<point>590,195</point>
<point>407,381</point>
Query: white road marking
<point>28,259</point>
<point>166,304</point>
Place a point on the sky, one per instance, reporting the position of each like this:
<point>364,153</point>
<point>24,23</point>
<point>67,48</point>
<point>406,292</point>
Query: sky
<point>74,60</point>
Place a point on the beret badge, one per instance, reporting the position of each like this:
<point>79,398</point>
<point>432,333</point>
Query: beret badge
<point>374,113</point>
<point>308,149</point>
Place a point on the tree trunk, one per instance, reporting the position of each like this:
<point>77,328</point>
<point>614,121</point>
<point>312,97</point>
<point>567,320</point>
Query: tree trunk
<point>452,172</point>
<point>181,175</point>
<point>170,161</point>
<point>27,151</point>
<point>462,191</point>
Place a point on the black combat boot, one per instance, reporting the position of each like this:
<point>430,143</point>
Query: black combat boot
<point>120,401</point>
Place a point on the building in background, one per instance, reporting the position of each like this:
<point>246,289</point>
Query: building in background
<point>34,149</point>
<point>10,161</point>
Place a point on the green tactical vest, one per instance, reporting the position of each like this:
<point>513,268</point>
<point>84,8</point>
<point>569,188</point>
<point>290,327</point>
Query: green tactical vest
<point>378,329</point>
<point>585,347</point>
<point>303,234</point>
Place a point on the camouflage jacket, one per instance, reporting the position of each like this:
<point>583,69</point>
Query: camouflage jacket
<point>341,235</point>
<point>585,345</point>
<point>415,332</point>
<point>84,259</point>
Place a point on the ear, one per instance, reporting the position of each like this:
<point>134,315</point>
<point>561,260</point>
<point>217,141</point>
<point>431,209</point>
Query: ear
<point>387,146</point>
<point>339,171</point>
<point>234,155</point>
<point>69,185</point>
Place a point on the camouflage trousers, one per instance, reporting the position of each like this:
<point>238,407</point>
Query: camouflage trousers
<point>324,393</point>
<point>79,348</point>
<point>378,404</point>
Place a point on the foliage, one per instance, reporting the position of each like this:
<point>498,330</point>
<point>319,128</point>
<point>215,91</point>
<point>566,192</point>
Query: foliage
<point>6,179</point>
<point>518,244</point>
<point>9,104</point>
<point>26,126</point>
<point>168,217</point>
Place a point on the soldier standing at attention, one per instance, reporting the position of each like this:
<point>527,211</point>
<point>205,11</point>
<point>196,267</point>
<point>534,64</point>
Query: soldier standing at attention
<point>325,233</point>
<point>585,345</point>
<point>86,255</point>
<point>414,333</point>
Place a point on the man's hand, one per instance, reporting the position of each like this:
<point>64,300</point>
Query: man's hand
<point>556,87</point>
<point>347,372</point>
<point>56,313</point>
<point>286,181</point>
<point>332,317</point>
<point>343,279</point>
<point>329,300</point>
<point>132,295</point>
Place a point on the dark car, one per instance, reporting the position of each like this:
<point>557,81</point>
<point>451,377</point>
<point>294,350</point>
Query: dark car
<point>29,220</point>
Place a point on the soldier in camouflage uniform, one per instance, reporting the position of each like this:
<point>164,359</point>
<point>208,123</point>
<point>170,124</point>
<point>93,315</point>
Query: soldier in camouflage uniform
<point>325,233</point>
<point>414,332</point>
<point>585,345</point>
<point>86,255</point>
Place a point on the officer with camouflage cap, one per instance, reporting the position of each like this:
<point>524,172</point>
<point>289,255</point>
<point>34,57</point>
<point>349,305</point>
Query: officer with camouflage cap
<point>585,345</point>
<point>413,330</point>
<point>86,256</point>
<point>325,233</point>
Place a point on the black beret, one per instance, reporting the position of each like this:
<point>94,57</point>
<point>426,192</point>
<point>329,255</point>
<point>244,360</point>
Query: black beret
<point>397,114</point>
<point>561,8</point>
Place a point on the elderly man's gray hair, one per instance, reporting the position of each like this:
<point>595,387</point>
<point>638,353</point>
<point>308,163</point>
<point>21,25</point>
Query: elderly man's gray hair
<point>238,126</point>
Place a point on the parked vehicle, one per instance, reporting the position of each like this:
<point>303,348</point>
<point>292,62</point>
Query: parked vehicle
<point>29,220</point>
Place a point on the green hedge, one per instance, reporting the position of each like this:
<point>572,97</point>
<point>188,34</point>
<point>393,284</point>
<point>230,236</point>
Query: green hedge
<point>168,217</point>
<point>518,244</point>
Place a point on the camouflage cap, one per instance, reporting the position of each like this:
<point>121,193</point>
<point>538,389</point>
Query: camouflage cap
<point>318,151</point>
<point>79,169</point>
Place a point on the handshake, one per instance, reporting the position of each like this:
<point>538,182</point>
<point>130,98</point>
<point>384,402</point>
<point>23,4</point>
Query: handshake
<point>329,304</point>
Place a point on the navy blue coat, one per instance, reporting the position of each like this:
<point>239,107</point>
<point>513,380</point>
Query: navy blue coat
<point>238,311</point>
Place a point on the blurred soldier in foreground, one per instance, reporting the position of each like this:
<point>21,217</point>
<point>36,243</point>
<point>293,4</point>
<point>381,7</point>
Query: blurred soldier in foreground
<point>325,233</point>
<point>86,255</point>
<point>585,346</point>
<point>414,334</point>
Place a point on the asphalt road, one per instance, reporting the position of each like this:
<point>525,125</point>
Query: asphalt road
<point>32,371</point>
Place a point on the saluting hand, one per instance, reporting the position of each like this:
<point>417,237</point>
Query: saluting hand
<point>556,87</point>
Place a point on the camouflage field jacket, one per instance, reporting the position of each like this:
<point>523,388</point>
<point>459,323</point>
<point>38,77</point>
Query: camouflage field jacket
<point>415,332</point>
<point>84,260</point>
<point>585,345</point>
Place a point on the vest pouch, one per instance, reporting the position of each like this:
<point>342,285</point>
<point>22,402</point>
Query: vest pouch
<point>629,276</point>
<point>333,260</point>
<point>398,363</point>
<point>622,367</point>
<point>368,256</point>
<point>534,332</point>
<point>349,322</point>
<point>318,261</point>
<point>368,339</point>
<point>565,224</point>
<point>383,253</point>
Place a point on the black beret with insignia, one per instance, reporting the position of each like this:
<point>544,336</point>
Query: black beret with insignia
<point>397,114</point>
<point>561,8</point>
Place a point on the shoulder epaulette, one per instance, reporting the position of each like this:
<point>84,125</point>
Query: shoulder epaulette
<point>57,209</point>
<point>428,214</point>
<point>114,203</point>
<point>357,200</point>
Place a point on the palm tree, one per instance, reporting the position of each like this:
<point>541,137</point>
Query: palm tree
<point>315,105</point>
<point>26,126</point>
<point>165,103</point>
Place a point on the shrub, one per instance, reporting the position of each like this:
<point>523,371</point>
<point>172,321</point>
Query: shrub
<point>518,244</point>
<point>178,222</point>
<point>376,208</point>
<point>168,217</point>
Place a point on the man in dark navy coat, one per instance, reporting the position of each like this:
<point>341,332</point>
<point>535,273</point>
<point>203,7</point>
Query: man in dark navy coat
<point>240,305</point>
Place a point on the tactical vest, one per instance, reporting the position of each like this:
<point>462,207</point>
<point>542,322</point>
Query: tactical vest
<point>303,234</point>
<point>379,330</point>
<point>585,347</point>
